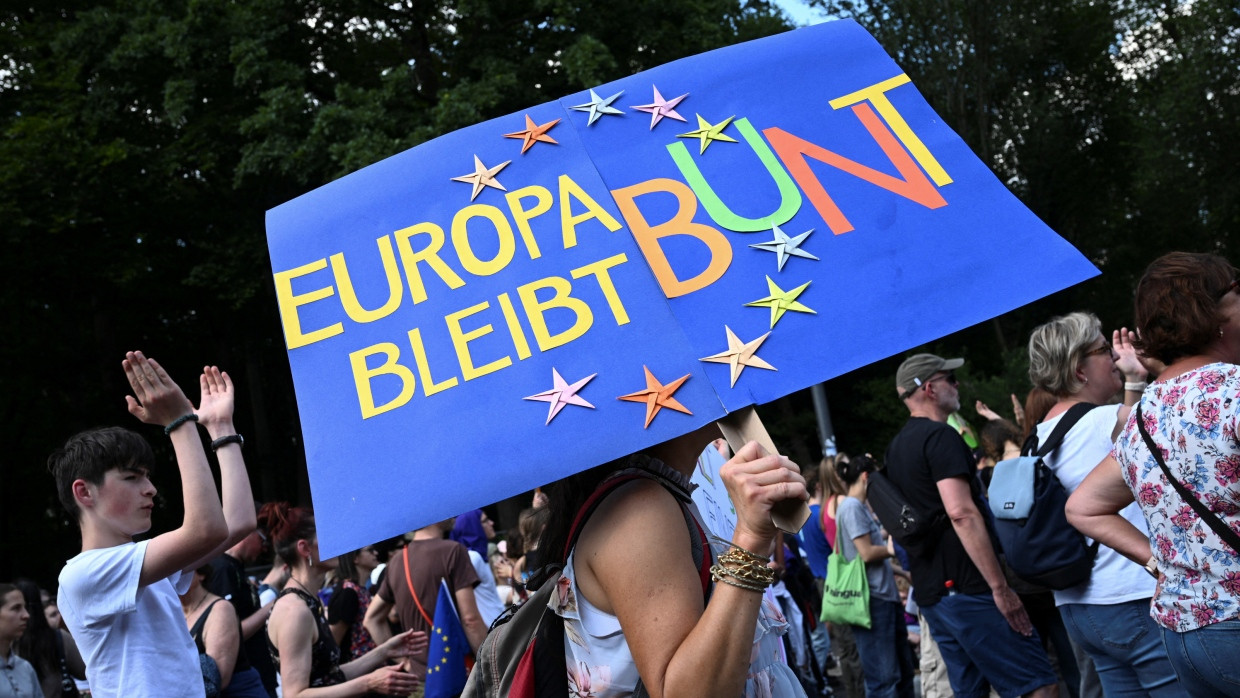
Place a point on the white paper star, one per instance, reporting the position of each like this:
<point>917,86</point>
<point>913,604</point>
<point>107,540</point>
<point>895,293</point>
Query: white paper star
<point>482,177</point>
<point>597,106</point>
<point>784,246</point>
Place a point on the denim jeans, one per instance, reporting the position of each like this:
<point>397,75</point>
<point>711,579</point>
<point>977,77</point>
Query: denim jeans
<point>1125,645</point>
<point>886,658</point>
<point>1207,660</point>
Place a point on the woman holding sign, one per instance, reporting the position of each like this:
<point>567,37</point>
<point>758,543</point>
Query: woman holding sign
<point>632,595</point>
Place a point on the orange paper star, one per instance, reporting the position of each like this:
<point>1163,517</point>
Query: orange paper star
<point>657,396</point>
<point>533,133</point>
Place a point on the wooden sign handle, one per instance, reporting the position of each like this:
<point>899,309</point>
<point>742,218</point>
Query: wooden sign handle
<point>743,426</point>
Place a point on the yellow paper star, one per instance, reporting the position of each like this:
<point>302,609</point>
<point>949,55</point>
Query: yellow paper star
<point>781,301</point>
<point>740,354</point>
<point>482,177</point>
<point>657,396</point>
<point>533,134</point>
<point>707,133</point>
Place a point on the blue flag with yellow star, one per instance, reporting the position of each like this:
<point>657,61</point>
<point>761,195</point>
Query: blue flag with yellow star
<point>445,665</point>
<point>591,276</point>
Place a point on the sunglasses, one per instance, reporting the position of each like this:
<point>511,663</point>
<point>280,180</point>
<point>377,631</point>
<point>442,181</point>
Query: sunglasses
<point>950,377</point>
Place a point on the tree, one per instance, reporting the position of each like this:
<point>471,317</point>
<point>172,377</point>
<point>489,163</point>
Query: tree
<point>141,142</point>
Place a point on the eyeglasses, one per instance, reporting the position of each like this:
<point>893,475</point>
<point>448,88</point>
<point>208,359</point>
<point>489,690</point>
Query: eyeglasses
<point>950,377</point>
<point>1104,349</point>
<point>1233,286</point>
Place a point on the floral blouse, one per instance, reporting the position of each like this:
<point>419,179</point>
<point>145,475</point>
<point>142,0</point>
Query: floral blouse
<point>1193,419</point>
<point>598,658</point>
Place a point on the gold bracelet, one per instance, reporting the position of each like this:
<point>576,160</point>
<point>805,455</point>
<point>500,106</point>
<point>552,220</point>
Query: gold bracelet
<point>720,574</point>
<point>744,567</point>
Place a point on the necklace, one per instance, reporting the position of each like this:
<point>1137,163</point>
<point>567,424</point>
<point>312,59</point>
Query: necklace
<point>195,608</point>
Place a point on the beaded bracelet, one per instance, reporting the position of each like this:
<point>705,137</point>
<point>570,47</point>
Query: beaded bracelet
<point>191,417</point>
<point>225,440</point>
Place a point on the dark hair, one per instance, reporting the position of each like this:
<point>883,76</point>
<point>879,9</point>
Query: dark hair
<point>346,568</point>
<point>1176,307</point>
<point>994,435</point>
<point>89,455</point>
<point>850,471</point>
<point>287,524</point>
<point>38,644</point>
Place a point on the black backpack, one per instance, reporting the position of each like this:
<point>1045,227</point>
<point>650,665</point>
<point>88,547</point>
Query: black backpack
<point>912,528</point>
<point>1028,502</point>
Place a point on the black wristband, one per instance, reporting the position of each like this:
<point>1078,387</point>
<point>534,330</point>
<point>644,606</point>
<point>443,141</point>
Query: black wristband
<point>191,417</point>
<point>225,440</point>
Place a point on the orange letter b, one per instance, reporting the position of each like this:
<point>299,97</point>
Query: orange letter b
<point>647,235</point>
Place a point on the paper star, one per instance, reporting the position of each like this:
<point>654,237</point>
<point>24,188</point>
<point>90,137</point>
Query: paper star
<point>707,133</point>
<point>657,396</point>
<point>562,394</point>
<point>482,177</point>
<point>661,108</point>
<point>784,246</point>
<point>740,354</point>
<point>533,133</point>
<point>781,301</point>
<point>597,106</point>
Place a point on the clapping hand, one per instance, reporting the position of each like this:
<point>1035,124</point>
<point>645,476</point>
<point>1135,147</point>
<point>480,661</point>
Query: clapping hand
<point>215,408</point>
<point>156,398</point>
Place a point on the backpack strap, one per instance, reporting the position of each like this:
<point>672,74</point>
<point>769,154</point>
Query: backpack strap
<point>1066,422</point>
<point>409,582</point>
<point>698,539</point>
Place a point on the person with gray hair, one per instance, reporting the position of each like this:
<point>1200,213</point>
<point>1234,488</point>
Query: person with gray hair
<point>1107,615</point>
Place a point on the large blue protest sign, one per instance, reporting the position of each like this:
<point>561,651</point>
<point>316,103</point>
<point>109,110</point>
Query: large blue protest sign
<point>534,295</point>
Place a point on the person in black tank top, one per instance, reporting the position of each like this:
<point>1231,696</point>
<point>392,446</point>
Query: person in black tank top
<point>298,626</point>
<point>216,632</point>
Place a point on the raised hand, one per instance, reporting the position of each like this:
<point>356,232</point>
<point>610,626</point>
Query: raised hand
<point>1129,362</point>
<point>1018,410</point>
<point>156,398</point>
<point>215,408</point>
<point>985,412</point>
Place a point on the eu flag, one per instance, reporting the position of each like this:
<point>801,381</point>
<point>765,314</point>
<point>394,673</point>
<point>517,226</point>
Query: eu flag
<point>445,666</point>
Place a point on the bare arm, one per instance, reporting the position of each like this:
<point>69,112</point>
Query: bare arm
<point>294,632</point>
<point>869,552</point>
<point>1093,509</point>
<point>376,622</point>
<point>680,648</point>
<point>158,400</point>
<point>396,647</point>
<point>471,619</point>
<point>256,622</point>
<point>215,412</point>
<point>221,639</point>
<point>971,528</point>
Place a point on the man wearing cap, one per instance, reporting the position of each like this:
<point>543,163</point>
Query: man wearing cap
<point>979,623</point>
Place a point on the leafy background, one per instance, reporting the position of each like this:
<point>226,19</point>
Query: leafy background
<point>141,142</point>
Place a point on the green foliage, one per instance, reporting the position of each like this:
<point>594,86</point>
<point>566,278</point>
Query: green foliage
<point>141,142</point>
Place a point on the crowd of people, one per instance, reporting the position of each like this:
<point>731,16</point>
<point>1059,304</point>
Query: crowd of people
<point>651,600</point>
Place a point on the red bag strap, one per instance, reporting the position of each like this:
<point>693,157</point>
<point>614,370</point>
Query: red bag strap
<point>409,581</point>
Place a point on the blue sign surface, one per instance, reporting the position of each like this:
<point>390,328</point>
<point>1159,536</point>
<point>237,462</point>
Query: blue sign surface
<point>540,293</point>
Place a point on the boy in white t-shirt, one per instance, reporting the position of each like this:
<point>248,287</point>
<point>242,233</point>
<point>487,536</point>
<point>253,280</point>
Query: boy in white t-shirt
<point>118,597</point>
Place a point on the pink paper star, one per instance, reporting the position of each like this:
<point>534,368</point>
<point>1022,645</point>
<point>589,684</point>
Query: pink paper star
<point>661,108</point>
<point>562,394</point>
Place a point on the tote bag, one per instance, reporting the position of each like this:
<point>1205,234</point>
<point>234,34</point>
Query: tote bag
<point>846,593</point>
